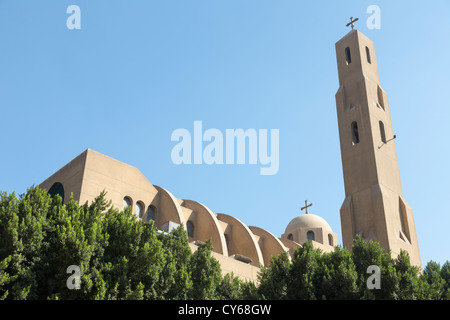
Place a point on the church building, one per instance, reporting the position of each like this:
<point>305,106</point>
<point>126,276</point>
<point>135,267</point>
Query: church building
<point>374,206</point>
<point>239,248</point>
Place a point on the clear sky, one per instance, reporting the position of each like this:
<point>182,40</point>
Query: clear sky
<point>138,70</point>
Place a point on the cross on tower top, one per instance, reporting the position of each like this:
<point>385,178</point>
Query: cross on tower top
<point>306,206</point>
<point>351,22</point>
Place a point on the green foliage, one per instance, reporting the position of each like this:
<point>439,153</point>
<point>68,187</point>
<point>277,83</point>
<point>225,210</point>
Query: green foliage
<point>120,257</point>
<point>273,281</point>
<point>205,273</point>
<point>178,254</point>
<point>336,276</point>
<point>438,280</point>
<point>341,274</point>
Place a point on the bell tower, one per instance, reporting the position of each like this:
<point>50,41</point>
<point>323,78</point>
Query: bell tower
<point>374,206</point>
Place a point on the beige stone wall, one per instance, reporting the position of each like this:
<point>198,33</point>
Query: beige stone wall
<point>71,177</point>
<point>244,271</point>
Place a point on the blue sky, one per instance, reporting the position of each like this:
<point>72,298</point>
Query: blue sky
<point>138,70</point>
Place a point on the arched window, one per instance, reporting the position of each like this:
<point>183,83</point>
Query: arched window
<point>368,55</point>
<point>330,239</point>
<point>290,237</point>
<point>348,57</point>
<point>151,213</point>
<point>57,188</point>
<point>190,229</point>
<point>139,210</point>
<point>126,203</point>
<point>310,236</point>
<point>382,133</point>
<point>355,133</point>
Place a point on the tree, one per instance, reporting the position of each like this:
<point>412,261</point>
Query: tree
<point>22,233</point>
<point>135,258</point>
<point>336,277</point>
<point>302,274</point>
<point>120,257</point>
<point>230,288</point>
<point>274,280</point>
<point>411,286</point>
<point>5,278</point>
<point>365,254</point>
<point>205,273</point>
<point>178,252</point>
<point>341,274</point>
<point>445,274</point>
<point>438,280</point>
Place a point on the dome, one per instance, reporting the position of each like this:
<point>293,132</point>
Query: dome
<point>307,221</point>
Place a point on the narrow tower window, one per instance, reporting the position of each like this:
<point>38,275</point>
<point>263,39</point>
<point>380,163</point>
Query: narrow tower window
<point>355,133</point>
<point>330,239</point>
<point>227,241</point>
<point>404,221</point>
<point>348,57</point>
<point>310,236</point>
<point>382,132</point>
<point>380,97</point>
<point>368,55</point>
<point>151,213</point>
<point>190,229</point>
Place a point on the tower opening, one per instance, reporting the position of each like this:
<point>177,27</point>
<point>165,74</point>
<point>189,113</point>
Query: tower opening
<point>355,133</point>
<point>368,55</point>
<point>151,213</point>
<point>382,132</point>
<point>348,56</point>
<point>404,220</point>
<point>380,97</point>
<point>190,229</point>
<point>227,242</point>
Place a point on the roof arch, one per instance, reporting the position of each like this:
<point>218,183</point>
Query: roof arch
<point>270,245</point>
<point>241,239</point>
<point>208,226</point>
<point>168,208</point>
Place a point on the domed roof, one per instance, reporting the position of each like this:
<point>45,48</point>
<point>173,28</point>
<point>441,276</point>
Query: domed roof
<point>307,220</point>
